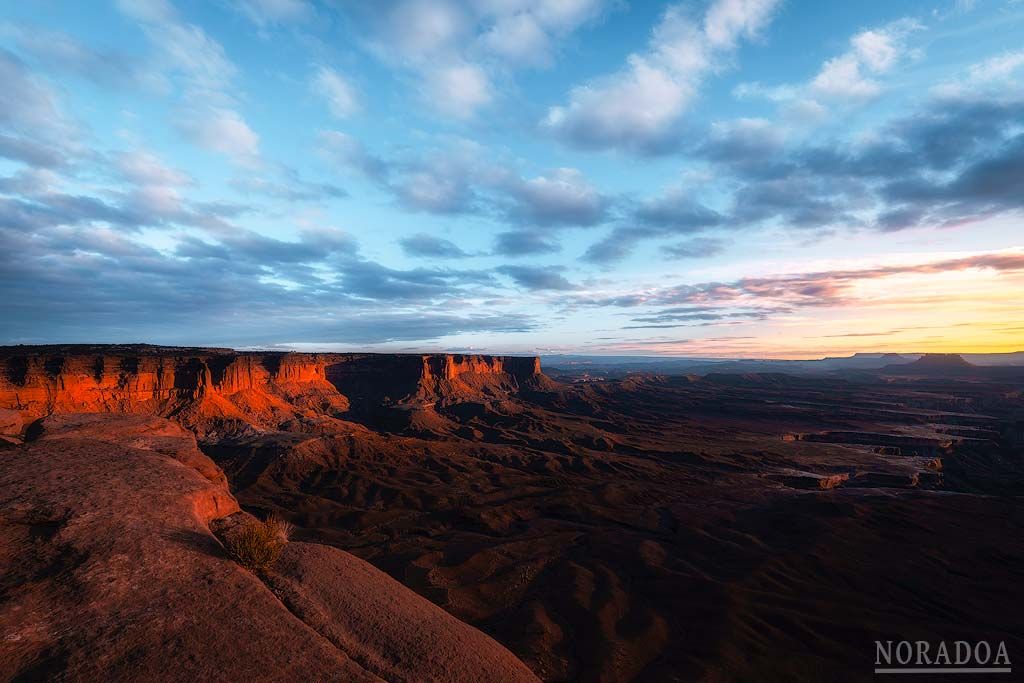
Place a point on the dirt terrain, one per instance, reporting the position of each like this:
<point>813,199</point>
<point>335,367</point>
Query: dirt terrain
<point>724,527</point>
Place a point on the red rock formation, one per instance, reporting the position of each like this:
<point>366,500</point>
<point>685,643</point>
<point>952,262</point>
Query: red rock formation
<point>218,392</point>
<point>109,572</point>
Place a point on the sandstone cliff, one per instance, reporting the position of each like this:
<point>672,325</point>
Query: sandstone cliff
<point>219,392</point>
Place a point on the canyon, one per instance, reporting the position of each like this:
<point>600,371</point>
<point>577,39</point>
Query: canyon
<point>699,525</point>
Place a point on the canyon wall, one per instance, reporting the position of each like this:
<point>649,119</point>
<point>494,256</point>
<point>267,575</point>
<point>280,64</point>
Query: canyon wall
<point>219,390</point>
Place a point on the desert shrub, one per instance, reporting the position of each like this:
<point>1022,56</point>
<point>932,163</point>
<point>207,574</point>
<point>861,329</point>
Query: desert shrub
<point>258,545</point>
<point>280,527</point>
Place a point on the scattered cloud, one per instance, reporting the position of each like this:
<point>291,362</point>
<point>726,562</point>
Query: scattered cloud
<point>456,49</point>
<point>29,110</point>
<point>62,53</point>
<point>782,293</point>
<point>518,243</point>
<point>563,197</point>
<point>671,214</point>
<point>337,91</point>
<point>265,13</point>
<point>222,130</point>
<point>698,247</point>
<point>1000,67</point>
<point>538,278</point>
<point>287,185</point>
<point>197,68</point>
<point>458,178</point>
<point>850,78</point>
<point>430,246</point>
<point>850,75</point>
<point>951,162</point>
<point>640,108</point>
<point>458,90</point>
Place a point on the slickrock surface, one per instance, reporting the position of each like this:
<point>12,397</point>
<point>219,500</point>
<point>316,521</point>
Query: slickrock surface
<point>109,571</point>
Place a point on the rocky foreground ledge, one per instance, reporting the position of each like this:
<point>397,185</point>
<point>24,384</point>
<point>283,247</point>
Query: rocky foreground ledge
<point>109,571</point>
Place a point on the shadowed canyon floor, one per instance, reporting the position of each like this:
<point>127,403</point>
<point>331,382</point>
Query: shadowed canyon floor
<point>725,527</point>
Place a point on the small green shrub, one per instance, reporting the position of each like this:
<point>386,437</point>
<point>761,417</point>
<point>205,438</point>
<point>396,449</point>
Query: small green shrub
<point>258,545</point>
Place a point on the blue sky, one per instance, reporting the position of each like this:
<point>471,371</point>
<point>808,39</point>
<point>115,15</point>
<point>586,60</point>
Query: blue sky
<point>721,178</point>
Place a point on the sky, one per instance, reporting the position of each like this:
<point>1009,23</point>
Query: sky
<point>708,178</point>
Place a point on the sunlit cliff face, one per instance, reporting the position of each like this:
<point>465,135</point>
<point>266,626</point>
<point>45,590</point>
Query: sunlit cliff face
<point>716,178</point>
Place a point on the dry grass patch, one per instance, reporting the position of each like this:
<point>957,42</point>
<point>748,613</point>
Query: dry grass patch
<point>258,545</point>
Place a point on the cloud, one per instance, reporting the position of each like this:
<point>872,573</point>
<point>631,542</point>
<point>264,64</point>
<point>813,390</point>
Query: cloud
<point>615,247</point>
<point>535,278</point>
<point>524,33</point>
<point>267,12</point>
<point>261,251</point>
<point>435,181</point>
<point>524,243</point>
<point>61,52</point>
<point>1000,67</point>
<point>519,38</point>
<point>31,153</point>
<point>197,64</point>
<point>676,212</point>
<point>27,105</point>
<point>563,197</point>
<point>698,247</point>
<point>66,210</point>
<point>745,144</point>
<point>429,246</point>
<point>289,186</point>
<point>781,293</point>
<point>427,38</point>
<point>458,90</point>
<point>343,150</point>
<point>79,258</point>
<point>144,168</point>
<point>933,167</point>
<point>112,296</point>
<point>987,186</point>
<point>850,77</point>
<point>222,130</point>
<point>373,281</point>
<point>640,107</point>
<point>457,49</point>
<point>149,193</point>
<point>692,316</point>
<point>459,178</point>
<point>433,190</point>
<point>671,214</point>
<point>954,161</point>
<point>336,90</point>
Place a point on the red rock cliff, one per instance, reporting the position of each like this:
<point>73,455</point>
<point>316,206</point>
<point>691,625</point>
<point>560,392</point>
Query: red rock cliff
<point>219,391</point>
<point>259,390</point>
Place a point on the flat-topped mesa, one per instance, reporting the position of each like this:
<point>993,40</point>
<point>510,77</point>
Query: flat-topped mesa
<point>218,391</point>
<point>450,366</point>
<point>452,378</point>
<point>253,390</point>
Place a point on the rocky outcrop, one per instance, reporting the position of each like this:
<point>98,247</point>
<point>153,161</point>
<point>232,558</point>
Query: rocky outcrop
<point>219,392</point>
<point>208,390</point>
<point>372,380</point>
<point>109,571</point>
